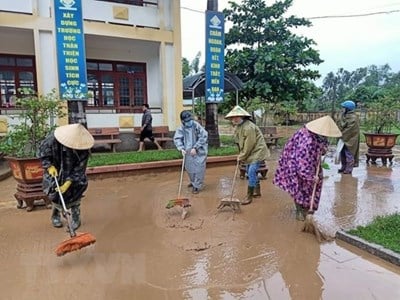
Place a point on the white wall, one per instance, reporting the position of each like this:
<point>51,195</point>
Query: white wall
<point>24,6</point>
<point>18,41</point>
<point>47,61</point>
<point>146,16</point>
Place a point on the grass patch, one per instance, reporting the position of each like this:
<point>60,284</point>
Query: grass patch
<point>384,231</point>
<point>106,159</point>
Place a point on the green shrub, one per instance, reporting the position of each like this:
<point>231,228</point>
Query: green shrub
<point>104,159</point>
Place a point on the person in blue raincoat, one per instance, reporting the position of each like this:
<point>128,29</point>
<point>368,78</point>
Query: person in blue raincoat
<point>192,140</point>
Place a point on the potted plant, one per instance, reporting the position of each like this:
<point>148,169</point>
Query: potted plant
<point>21,143</point>
<point>381,120</point>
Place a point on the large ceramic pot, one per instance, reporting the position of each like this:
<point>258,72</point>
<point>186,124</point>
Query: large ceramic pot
<point>380,146</point>
<point>28,173</point>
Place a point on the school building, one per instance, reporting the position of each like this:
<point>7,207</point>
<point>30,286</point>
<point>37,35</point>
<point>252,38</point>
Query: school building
<point>131,53</point>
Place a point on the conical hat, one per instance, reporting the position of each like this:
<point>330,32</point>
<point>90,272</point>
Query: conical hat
<point>74,136</point>
<point>324,126</point>
<point>237,111</point>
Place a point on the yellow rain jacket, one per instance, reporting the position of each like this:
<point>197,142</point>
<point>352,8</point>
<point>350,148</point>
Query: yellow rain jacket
<point>251,142</point>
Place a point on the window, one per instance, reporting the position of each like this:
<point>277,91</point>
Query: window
<point>15,72</point>
<point>119,85</point>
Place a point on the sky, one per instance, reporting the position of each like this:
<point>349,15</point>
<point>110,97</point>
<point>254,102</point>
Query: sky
<point>348,43</point>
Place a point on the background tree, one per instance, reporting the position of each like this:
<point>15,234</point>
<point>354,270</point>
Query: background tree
<point>194,66</point>
<point>361,85</point>
<point>185,67</point>
<point>267,56</point>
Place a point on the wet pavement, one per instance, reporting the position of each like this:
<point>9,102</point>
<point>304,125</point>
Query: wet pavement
<point>146,251</point>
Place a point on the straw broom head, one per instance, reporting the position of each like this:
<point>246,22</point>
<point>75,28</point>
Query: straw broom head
<point>77,242</point>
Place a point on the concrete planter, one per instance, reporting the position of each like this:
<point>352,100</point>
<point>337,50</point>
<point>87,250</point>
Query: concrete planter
<point>28,173</point>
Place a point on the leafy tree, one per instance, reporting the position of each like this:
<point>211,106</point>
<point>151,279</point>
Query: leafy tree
<point>361,85</point>
<point>194,66</point>
<point>185,67</point>
<point>264,52</point>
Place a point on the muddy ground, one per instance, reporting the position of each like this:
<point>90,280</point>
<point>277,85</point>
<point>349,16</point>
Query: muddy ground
<point>144,251</point>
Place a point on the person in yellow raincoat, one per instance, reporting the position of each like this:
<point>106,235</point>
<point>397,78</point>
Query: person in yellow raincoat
<point>349,125</point>
<point>252,149</point>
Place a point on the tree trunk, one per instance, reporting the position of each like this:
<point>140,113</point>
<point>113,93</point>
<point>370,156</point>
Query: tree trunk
<point>212,124</point>
<point>212,108</point>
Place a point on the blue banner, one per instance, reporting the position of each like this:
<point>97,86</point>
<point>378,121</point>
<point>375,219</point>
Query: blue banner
<point>215,44</point>
<point>71,57</point>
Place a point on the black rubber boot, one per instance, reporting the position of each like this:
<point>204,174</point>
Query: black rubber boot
<point>257,191</point>
<point>249,196</point>
<point>76,217</point>
<point>56,218</point>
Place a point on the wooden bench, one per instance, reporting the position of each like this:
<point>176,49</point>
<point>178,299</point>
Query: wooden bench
<point>160,133</point>
<point>106,135</point>
<point>271,135</point>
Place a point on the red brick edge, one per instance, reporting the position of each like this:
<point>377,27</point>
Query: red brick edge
<point>164,164</point>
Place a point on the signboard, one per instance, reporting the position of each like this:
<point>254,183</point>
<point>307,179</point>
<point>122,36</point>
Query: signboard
<point>71,58</point>
<point>215,44</point>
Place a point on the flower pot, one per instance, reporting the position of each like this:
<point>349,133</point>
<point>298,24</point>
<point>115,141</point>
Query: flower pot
<point>380,146</point>
<point>28,173</point>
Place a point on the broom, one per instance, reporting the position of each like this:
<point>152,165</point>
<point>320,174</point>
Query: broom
<point>77,240</point>
<point>234,204</point>
<point>310,225</point>
<point>182,202</point>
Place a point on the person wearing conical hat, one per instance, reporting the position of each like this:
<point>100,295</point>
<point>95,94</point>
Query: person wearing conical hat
<point>64,154</point>
<point>300,160</point>
<point>349,124</point>
<point>252,149</point>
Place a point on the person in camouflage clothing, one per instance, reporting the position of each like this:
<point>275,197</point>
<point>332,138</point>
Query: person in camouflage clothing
<point>64,154</point>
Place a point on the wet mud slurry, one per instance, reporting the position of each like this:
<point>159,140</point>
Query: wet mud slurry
<point>145,251</point>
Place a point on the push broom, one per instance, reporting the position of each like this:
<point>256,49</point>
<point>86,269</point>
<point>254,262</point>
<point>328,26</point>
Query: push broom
<point>179,201</point>
<point>77,240</point>
<point>231,202</point>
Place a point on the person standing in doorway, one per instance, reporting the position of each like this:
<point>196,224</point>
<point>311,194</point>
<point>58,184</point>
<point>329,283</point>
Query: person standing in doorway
<point>146,131</point>
<point>192,140</point>
<point>349,125</point>
<point>252,149</point>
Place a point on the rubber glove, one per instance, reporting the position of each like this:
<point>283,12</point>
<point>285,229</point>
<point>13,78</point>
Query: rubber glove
<point>65,186</point>
<point>52,171</point>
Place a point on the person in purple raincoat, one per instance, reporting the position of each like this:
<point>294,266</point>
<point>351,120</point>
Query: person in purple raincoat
<point>298,163</point>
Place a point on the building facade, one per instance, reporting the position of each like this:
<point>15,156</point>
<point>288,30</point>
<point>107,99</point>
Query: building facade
<point>132,55</point>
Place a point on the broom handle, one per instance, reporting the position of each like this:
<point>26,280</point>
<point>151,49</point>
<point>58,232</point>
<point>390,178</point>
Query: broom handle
<point>234,179</point>
<point>68,216</point>
<point>311,209</point>
<point>180,181</point>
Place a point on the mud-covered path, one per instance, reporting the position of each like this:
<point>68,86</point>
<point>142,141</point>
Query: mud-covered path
<point>144,251</point>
